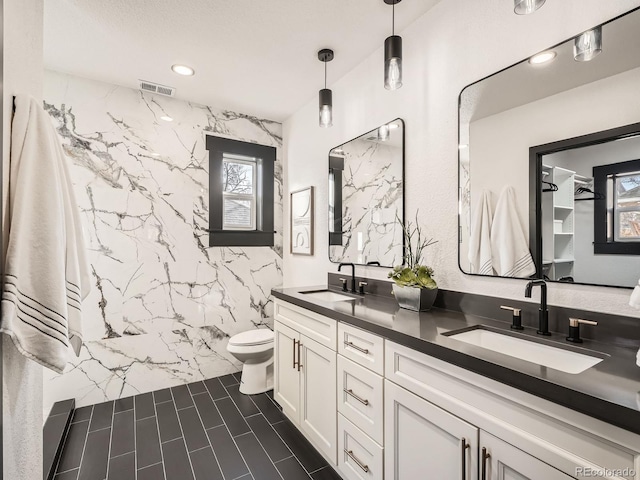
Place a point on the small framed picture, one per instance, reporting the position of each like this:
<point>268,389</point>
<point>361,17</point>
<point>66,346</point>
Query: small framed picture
<point>302,220</point>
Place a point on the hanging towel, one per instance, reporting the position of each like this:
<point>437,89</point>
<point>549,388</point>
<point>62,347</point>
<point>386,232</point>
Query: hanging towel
<point>480,242</point>
<point>46,275</point>
<point>509,246</point>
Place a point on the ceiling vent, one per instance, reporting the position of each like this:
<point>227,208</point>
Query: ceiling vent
<point>156,88</point>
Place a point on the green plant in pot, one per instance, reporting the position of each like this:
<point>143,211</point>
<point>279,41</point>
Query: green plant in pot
<point>414,287</point>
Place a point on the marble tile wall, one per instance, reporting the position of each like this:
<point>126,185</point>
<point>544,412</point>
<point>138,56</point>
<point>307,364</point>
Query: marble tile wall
<point>163,304</point>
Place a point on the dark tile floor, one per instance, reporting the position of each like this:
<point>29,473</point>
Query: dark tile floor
<point>201,431</point>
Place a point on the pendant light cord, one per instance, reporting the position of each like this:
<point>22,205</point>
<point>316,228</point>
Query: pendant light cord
<point>393,18</point>
<point>325,74</point>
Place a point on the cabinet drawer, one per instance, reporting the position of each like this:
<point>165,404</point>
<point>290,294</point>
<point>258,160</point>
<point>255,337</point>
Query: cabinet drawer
<point>359,457</point>
<point>360,397</point>
<point>314,326</point>
<point>362,347</point>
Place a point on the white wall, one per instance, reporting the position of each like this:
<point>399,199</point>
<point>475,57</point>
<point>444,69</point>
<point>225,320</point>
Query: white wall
<point>451,46</point>
<point>22,378</point>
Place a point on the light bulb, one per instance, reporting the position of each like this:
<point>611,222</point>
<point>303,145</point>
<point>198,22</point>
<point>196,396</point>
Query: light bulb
<point>393,62</point>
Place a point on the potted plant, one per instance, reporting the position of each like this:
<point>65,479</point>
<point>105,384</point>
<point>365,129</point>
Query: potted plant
<point>414,287</point>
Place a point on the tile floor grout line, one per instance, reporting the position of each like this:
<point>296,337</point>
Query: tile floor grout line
<point>164,470</point>
<point>205,428</point>
<point>184,440</point>
<point>267,455</point>
<point>283,459</point>
<point>287,445</point>
<point>135,442</point>
<point>122,454</point>
<point>283,442</point>
<point>84,447</point>
<point>110,439</point>
<point>224,424</point>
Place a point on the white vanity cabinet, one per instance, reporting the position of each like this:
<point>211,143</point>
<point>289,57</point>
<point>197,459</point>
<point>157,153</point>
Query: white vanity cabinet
<point>305,374</point>
<point>379,410</point>
<point>430,405</point>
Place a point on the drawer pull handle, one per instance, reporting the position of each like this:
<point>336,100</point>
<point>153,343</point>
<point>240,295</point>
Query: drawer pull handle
<point>299,357</point>
<point>485,455</point>
<point>360,399</point>
<point>464,447</point>
<point>365,468</point>
<point>355,347</point>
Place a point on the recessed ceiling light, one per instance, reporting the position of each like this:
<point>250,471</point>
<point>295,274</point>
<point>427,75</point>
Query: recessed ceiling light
<point>542,57</point>
<point>166,118</point>
<point>183,70</point>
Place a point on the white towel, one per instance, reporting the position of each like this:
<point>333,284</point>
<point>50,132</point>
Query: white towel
<point>509,246</point>
<point>46,275</point>
<point>480,241</point>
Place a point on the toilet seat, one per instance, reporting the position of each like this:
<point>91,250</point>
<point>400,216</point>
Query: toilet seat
<point>255,337</point>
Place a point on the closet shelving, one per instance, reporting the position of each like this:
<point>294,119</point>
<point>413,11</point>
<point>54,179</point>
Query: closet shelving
<point>558,222</point>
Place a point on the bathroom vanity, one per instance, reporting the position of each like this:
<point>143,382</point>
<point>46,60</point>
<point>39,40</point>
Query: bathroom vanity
<point>388,393</point>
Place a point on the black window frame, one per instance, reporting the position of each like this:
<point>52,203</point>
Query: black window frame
<point>602,245</point>
<point>263,235</point>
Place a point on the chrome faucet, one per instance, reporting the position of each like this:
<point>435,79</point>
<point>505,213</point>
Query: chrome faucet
<point>353,274</point>
<point>543,319</point>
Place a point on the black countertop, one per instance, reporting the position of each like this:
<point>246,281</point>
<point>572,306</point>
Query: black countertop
<point>609,391</point>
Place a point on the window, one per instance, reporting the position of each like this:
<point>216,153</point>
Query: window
<point>617,215</point>
<point>241,176</point>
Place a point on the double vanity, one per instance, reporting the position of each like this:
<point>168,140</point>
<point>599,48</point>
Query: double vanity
<point>388,393</point>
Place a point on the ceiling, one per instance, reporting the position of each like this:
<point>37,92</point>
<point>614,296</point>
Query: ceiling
<point>257,57</point>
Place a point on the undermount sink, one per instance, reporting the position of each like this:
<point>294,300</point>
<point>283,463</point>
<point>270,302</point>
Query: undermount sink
<point>565,360</point>
<point>327,296</point>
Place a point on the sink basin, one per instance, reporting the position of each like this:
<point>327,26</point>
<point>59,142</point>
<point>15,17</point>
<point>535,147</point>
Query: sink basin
<point>565,360</point>
<point>327,296</point>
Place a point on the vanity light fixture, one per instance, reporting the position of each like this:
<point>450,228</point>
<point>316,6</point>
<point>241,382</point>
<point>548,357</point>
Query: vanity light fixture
<point>326,96</point>
<point>525,7</point>
<point>166,118</point>
<point>383,133</point>
<point>542,57</point>
<point>587,45</point>
<point>185,70</point>
<point>393,53</point>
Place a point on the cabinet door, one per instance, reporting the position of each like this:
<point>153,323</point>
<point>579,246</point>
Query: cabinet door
<point>424,441</point>
<point>502,461</point>
<point>318,411</point>
<point>286,380</point>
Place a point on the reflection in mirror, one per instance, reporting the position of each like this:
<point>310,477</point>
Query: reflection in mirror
<point>366,196</point>
<point>590,208</point>
<point>523,128</point>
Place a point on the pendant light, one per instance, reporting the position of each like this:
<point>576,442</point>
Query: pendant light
<point>393,53</point>
<point>588,45</point>
<point>525,7</point>
<point>326,96</point>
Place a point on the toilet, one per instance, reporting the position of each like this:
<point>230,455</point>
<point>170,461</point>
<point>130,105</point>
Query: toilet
<point>254,349</point>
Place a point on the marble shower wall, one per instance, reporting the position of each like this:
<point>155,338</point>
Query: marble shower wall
<point>163,304</point>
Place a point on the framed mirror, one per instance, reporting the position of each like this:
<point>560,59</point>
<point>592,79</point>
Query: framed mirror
<point>366,197</point>
<point>549,163</point>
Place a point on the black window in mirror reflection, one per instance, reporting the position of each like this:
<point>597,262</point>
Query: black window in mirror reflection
<point>617,213</point>
<point>336,166</point>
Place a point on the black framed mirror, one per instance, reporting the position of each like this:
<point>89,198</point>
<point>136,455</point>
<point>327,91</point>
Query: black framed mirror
<point>560,132</point>
<point>366,197</point>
